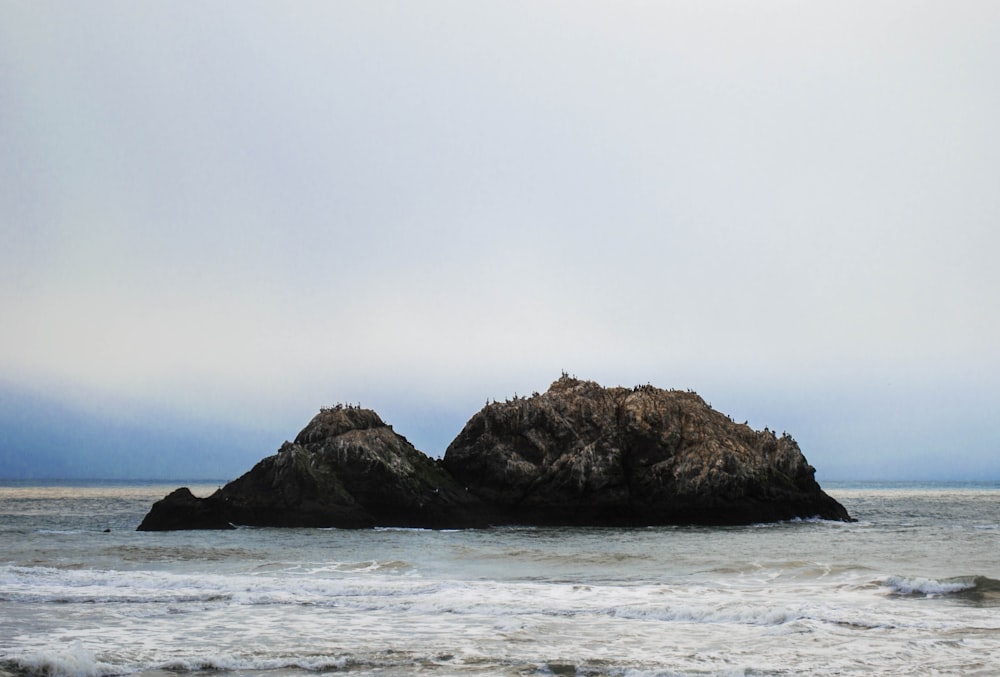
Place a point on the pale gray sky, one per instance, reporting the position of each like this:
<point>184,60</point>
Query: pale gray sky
<point>243,211</point>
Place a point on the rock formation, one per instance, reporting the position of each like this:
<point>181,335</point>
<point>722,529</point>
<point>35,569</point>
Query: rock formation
<point>583,454</point>
<point>579,454</point>
<point>347,469</point>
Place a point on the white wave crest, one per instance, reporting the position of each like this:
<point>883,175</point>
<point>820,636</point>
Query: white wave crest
<point>927,587</point>
<point>73,660</point>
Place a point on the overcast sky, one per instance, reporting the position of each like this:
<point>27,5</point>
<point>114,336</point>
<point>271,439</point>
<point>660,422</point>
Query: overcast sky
<point>240,212</point>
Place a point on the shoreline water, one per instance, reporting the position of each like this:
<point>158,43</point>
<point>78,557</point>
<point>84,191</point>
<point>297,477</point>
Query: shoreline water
<point>913,587</point>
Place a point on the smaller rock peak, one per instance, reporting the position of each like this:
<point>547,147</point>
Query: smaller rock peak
<point>566,383</point>
<point>337,420</point>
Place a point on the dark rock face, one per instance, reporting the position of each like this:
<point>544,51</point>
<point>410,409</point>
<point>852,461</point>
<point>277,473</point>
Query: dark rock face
<point>183,510</point>
<point>347,469</point>
<point>579,454</point>
<point>583,454</point>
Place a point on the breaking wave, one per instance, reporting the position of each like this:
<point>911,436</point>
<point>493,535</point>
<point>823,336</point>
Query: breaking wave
<point>973,588</point>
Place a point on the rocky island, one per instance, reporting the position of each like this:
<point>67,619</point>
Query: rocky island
<point>578,454</point>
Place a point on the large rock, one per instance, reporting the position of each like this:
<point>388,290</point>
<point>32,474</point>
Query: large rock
<point>347,469</point>
<point>579,454</point>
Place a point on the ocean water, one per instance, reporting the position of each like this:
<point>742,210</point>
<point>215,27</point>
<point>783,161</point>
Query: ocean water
<point>912,588</point>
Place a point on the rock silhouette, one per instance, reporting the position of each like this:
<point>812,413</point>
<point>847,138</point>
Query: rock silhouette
<point>346,469</point>
<point>583,454</point>
<point>579,454</point>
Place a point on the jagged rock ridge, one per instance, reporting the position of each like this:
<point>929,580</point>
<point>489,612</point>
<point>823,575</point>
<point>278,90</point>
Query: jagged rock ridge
<point>346,468</point>
<point>579,454</point>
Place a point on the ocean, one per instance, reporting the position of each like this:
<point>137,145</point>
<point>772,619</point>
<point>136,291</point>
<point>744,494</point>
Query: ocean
<point>913,587</point>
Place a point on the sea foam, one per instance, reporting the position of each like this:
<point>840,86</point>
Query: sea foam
<point>73,660</point>
<point>929,587</point>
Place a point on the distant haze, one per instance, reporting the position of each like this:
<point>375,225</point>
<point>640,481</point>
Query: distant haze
<point>217,218</point>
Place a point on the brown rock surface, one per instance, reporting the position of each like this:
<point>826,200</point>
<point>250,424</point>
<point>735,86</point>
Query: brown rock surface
<point>584,454</point>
